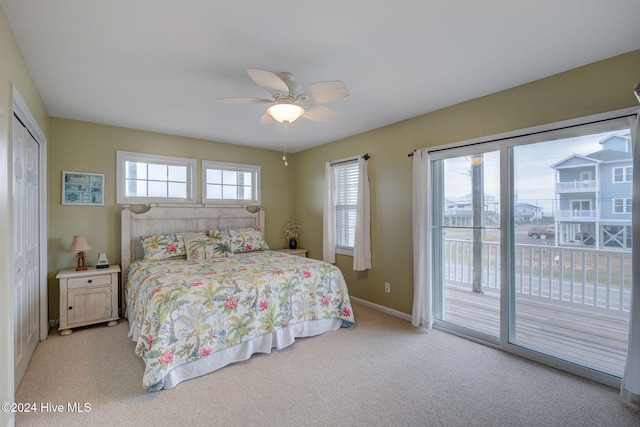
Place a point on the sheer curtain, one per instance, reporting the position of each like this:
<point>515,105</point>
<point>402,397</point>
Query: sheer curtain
<point>422,313</point>
<point>630,388</point>
<point>328,230</point>
<point>362,232</point>
<point>362,245</point>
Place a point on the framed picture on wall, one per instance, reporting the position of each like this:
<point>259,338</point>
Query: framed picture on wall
<point>81,188</point>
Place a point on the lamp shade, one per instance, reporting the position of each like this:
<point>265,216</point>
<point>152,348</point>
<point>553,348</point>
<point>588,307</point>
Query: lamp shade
<point>79,244</point>
<point>285,112</point>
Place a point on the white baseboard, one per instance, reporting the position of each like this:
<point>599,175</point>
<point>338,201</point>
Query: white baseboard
<point>54,323</point>
<point>386,310</point>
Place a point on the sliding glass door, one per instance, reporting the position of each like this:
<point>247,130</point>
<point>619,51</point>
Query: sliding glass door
<point>531,243</point>
<point>572,289</point>
<point>467,234</point>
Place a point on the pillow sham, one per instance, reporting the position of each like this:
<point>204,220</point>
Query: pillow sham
<point>221,242</point>
<point>198,247</point>
<point>247,240</point>
<point>161,246</point>
<point>180,236</point>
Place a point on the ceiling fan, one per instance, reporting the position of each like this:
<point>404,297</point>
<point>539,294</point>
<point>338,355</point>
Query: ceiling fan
<point>290,100</point>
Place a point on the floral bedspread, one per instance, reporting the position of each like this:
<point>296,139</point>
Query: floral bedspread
<point>187,310</point>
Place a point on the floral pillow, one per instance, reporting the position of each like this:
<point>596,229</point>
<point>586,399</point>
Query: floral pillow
<point>221,242</point>
<point>200,248</point>
<point>161,246</point>
<point>180,236</point>
<point>247,240</point>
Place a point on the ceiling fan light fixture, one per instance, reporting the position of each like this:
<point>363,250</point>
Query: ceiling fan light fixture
<point>285,112</point>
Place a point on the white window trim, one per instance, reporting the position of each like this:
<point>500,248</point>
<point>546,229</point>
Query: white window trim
<point>624,174</point>
<point>625,211</point>
<point>124,156</point>
<point>343,250</point>
<point>255,173</point>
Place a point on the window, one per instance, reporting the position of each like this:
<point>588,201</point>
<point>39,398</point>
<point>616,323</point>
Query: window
<point>497,281</point>
<point>151,178</point>
<point>230,183</point>
<point>585,176</point>
<point>345,204</point>
<point>622,205</point>
<point>347,211</point>
<point>623,174</point>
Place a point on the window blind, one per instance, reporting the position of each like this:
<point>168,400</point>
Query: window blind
<point>346,199</point>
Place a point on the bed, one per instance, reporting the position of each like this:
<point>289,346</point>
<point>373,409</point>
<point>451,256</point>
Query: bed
<point>201,290</point>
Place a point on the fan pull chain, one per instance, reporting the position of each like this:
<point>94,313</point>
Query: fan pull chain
<point>284,148</point>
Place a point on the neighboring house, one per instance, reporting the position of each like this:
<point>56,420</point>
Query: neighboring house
<point>460,213</point>
<point>526,212</point>
<point>593,195</point>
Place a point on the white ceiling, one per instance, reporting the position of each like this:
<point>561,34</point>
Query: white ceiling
<point>159,65</point>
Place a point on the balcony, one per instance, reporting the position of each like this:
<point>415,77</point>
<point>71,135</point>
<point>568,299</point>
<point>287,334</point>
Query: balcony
<point>572,303</point>
<point>577,215</point>
<point>587,186</point>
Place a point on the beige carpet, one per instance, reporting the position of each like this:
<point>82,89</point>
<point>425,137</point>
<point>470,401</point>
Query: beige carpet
<point>380,372</point>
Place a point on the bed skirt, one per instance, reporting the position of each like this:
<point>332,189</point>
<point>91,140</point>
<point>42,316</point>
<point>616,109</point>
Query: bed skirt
<point>263,344</point>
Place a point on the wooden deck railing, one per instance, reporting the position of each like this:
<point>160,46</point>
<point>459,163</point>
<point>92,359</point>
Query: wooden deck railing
<point>558,292</point>
<point>597,280</point>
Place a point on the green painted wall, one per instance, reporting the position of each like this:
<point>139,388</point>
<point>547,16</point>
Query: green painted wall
<point>89,147</point>
<point>595,88</point>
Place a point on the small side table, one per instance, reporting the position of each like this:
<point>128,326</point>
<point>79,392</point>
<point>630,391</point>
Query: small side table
<point>88,297</point>
<point>299,252</point>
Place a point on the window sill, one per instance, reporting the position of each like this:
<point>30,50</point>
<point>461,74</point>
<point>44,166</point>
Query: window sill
<point>344,251</point>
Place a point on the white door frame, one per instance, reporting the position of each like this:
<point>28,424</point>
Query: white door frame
<point>20,109</point>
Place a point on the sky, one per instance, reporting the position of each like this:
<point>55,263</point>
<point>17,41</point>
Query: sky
<point>534,178</point>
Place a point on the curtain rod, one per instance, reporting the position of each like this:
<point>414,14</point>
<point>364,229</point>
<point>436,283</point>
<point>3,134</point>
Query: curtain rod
<point>524,135</point>
<point>364,156</point>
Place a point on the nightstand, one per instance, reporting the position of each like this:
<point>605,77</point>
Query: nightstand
<point>298,251</point>
<point>88,297</point>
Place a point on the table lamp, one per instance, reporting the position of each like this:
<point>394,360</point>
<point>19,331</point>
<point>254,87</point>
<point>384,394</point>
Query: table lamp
<point>80,246</point>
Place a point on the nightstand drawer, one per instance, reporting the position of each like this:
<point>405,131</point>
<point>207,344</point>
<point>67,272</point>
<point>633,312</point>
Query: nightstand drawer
<point>83,282</point>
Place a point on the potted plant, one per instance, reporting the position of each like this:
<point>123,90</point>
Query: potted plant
<point>291,231</point>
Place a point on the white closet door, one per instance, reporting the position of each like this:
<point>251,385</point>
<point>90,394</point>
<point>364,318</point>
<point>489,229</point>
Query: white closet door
<point>26,247</point>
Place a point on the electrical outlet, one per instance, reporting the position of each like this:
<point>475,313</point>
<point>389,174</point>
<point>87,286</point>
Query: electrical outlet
<point>387,287</point>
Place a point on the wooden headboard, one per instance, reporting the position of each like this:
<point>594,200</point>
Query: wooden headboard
<point>161,219</point>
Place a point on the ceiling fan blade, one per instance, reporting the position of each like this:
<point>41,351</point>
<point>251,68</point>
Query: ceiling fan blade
<point>324,92</point>
<point>320,113</point>
<point>271,82</point>
<point>242,100</point>
<point>266,119</point>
